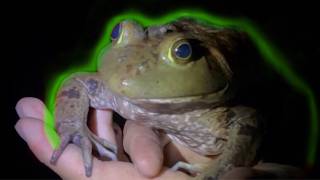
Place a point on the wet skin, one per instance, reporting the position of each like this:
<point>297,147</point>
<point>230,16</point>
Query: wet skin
<point>173,78</point>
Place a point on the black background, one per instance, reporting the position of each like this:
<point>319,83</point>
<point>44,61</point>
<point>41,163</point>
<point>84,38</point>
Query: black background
<point>44,38</point>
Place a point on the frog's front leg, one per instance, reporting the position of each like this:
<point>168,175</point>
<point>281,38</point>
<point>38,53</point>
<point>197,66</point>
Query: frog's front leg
<point>242,143</point>
<point>71,112</point>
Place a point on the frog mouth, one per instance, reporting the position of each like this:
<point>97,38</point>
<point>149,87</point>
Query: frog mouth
<point>185,103</point>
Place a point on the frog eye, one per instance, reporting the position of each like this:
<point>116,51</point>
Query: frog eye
<point>126,32</point>
<point>116,31</point>
<point>182,50</point>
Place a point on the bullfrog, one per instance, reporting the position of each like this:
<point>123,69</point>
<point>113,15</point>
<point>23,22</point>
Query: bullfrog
<point>175,78</point>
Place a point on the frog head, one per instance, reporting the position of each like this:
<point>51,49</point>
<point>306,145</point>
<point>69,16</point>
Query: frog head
<point>176,62</point>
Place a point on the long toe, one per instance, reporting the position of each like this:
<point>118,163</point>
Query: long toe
<point>65,140</point>
<point>86,148</point>
<point>104,152</point>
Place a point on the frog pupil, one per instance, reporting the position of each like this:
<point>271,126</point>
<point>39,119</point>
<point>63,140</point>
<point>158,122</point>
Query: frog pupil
<point>116,32</point>
<point>183,50</point>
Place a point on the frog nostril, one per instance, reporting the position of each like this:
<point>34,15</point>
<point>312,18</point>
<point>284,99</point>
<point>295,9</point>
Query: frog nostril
<point>124,83</point>
<point>141,68</point>
<point>120,59</point>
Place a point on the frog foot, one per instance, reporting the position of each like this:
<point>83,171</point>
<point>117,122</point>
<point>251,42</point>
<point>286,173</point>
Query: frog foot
<point>189,168</point>
<point>85,139</point>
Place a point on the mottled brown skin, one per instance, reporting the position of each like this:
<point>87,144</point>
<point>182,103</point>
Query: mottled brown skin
<point>187,100</point>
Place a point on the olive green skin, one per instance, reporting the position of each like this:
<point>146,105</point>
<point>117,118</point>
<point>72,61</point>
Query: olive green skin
<point>147,67</point>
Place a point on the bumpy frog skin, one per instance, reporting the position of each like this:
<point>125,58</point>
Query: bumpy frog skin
<point>185,94</point>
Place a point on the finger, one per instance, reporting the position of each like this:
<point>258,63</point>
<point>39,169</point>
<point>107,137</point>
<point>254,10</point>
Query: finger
<point>126,171</point>
<point>30,107</point>
<point>144,147</point>
<point>102,125</point>
<point>69,164</point>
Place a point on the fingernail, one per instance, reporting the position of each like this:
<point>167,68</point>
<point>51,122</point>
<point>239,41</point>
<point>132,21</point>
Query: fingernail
<point>20,131</point>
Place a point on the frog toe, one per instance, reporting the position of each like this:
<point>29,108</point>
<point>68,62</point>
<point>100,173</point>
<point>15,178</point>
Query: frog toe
<point>105,153</point>
<point>86,147</point>
<point>65,140</point>
<point>106,149</point>
<point>191,169</point>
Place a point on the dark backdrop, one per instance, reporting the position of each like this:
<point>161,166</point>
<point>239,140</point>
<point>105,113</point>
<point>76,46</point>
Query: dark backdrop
<point>46,37</point>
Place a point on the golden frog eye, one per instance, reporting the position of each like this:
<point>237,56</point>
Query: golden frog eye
<point>177,50</point>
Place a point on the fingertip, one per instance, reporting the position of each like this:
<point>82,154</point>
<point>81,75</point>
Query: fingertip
<point>26,129</point>
<point>32,131</point>
<point>149,162</point>
<point>144,148</point>
<point>19,128</point>
<point>30,107</point>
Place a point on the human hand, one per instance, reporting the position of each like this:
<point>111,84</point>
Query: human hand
<point>148,151</point>
<point>69,166</point>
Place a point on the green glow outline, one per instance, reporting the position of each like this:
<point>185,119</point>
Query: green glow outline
<point>272,56</point>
